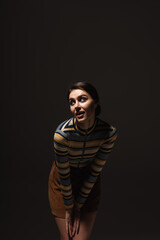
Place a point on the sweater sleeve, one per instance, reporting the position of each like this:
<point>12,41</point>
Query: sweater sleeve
<point>96,167</point>
<point>62,163</point>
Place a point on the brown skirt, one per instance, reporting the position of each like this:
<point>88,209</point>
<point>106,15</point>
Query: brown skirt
<point>77,176</point>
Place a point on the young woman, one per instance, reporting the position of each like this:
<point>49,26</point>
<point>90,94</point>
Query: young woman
<point>82,145</point>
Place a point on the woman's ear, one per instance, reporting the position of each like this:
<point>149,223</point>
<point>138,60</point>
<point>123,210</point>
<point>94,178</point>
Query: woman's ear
<point>95,104</point>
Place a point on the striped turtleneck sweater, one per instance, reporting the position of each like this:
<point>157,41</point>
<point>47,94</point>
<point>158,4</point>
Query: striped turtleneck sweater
<point>77,148</point>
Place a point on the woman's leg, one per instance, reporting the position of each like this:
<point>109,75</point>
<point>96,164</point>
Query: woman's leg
<point>61,224</point>
<point>86,226</point>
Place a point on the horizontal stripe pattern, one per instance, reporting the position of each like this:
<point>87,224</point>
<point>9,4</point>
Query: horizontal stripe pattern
<point>68,146</point>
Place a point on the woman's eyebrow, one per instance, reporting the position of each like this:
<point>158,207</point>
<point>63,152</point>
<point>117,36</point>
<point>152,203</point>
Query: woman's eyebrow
<point>82,95</point>
<point>71,99</point>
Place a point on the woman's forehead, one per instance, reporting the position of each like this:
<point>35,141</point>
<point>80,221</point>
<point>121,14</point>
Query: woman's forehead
<point>78,92</point>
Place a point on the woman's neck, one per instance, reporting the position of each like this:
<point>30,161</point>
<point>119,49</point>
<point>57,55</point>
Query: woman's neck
<point>87,124</point>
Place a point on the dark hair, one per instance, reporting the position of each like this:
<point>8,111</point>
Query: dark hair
<point>89,89</point>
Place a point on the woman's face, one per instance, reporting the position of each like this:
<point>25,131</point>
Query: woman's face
<point>82,106</point>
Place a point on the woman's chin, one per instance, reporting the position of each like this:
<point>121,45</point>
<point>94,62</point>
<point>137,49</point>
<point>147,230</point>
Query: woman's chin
<point>80,119</point>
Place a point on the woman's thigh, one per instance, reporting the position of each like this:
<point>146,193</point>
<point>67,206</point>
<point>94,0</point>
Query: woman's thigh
<point>86,226</point>
<point>61,224</point>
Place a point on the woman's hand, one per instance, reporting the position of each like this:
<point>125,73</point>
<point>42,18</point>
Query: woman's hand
<point>69,221</point>
<point>72,221</point>
<point>76,220</point>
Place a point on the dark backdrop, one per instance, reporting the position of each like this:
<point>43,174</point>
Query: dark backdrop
<point>47,46</point>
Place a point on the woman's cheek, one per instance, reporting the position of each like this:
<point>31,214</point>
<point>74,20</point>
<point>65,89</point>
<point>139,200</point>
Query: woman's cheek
<point>71,109</point>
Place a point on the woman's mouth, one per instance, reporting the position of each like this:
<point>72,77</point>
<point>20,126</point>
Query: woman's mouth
<point>80,114</point>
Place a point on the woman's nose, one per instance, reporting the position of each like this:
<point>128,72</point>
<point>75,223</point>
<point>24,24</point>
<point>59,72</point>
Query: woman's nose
<point>77,105</point>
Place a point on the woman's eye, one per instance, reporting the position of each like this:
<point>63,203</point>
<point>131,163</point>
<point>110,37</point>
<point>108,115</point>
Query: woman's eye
<point>71,102</point>
<point>83,99</point>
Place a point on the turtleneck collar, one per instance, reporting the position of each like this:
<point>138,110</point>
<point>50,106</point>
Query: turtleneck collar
<point>84,131</point>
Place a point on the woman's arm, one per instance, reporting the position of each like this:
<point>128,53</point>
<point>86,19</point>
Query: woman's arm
<point>96,167</point>
<point>62,163</point>
<point>72,214</point>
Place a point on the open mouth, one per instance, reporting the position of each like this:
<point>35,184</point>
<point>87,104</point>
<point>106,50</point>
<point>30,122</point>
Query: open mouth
<point>80,114</point>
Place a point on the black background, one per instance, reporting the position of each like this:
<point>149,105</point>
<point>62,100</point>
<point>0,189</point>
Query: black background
<point>48,45</point>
